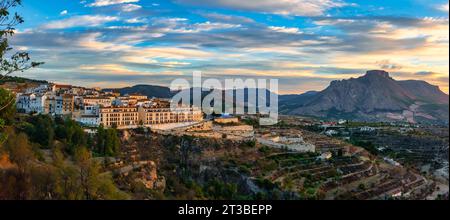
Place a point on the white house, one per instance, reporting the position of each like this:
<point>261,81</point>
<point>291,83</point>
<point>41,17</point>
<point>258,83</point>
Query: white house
<point>40,89</point>
<point>102,101</point>
<point>291,143</point>
<point>331,132</point>
<point>326,156</point>
<point>392,161</point>
<point>23,102</point>
<point>37,104</point>
<point>31,103</point>
<point>91,109</point>
<point>342,121</point>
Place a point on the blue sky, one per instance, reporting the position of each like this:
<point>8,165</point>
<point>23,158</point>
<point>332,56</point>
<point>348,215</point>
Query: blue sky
<point>303,43</point>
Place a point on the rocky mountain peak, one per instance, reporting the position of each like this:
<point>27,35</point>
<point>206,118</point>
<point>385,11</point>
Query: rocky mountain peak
<point>375,97</point>
<point>378,73</point>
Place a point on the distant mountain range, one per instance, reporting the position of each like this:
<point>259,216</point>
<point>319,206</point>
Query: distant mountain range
<point>148,90</point>
<point>373,97</point>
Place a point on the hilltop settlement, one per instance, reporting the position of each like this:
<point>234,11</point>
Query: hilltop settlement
<point>92,107</point>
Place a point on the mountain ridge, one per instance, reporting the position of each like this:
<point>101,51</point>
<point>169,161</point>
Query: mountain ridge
<point>377,96</point>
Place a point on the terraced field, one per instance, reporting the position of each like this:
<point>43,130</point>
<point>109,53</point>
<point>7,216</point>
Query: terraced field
<point>341,177</point>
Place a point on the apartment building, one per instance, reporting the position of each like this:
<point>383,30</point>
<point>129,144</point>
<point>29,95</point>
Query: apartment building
<point>53,105</point>
<point>119,116</point>
<point>156,115</point>
<point>137,96</point>
<point>58,105</point>
<point>147,116</point>
<point>124,101</point>
<point>101,101</point>
<point>59,88</point>
<point>67,104</point>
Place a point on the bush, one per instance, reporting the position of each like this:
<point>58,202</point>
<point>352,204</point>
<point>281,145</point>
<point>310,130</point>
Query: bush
<point>250,144</point>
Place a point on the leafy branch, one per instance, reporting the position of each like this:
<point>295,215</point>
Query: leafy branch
<point>7,104</point>
<point>19,61</point>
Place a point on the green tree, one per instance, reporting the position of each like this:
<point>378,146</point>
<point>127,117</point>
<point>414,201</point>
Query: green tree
<point>93,184</point>
<point>72,134</point>
<point>100,147</point>
<point>67,186</point>
<point>87,170</point>
<point>112,142</point>
<point>19,61</point>
<point>43,181</point>
<point>108,142</point>
<point>17,182</point>
<point>20,151</point>
<point>40,129</point>
<point>220,190</point>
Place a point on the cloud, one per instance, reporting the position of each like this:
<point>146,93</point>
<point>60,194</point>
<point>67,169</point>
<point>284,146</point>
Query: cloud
<point>285,30</point>
<point>280,7</point>
<point>130,7</point>
<point>93,43</point>
<point>80,21</point>
<point>227,18</point>
<point>388,65</point>
<point>101,3</point>
<point>63,12</point>
<point>334,21</point>
<point>443,7</point>
<point>90,42</point>
<point>425,73</point>
<point>209,26</point>
<point>108,69</point>
<point>136,20</point>
<point>366,23</point>
<point>320,49</point>
<point>387,34</point>
<point>181,26</point>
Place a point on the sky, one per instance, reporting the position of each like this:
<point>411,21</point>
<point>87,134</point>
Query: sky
<point>305,44</point>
